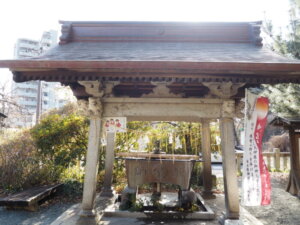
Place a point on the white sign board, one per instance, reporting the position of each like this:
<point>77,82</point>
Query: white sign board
<point>114,124</point>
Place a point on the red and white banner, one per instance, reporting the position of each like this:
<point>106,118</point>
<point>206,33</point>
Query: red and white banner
<point>256,177</point>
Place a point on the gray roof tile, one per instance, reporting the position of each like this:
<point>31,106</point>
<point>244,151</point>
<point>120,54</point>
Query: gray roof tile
<point>162,51</point>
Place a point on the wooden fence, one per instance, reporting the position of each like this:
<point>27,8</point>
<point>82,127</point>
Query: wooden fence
<point>276,160</point>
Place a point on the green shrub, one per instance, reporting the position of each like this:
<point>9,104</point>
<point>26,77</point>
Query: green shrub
<point>72,178</point>
<point>72,173</point>
<point>41,155</point>
<point>62,139</point>
<point>21,166</point>
<point>72,188</point>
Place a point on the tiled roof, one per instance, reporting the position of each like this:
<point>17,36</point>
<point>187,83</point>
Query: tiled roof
<point>162,51</point>
<point>161,41</point>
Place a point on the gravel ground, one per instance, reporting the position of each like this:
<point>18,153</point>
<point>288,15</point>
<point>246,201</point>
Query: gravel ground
<point>284,208</point>
<point>45,216</point>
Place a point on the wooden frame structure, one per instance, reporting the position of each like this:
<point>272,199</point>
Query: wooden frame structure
<point>159,71</point>
<point>292,125</point>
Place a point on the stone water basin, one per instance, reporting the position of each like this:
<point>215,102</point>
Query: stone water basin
<point>146,168</point>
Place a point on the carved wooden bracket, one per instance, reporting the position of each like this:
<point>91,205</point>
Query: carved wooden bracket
<point>94,88</point>
<point>95,107</point>
<point>91,108</point>
<point>83,106</point>
<point>223,89</point>
<point>228,108</point>
<point>161,91</point>
<point>108,88</point>
<point>232,108</point>
<point>240,109</point>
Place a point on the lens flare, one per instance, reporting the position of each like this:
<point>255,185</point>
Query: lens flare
<point>262,107</point>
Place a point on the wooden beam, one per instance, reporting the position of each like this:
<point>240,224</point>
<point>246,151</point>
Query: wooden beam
<point>158,156</point>
<point>246,68</point>
<point>170,109</point>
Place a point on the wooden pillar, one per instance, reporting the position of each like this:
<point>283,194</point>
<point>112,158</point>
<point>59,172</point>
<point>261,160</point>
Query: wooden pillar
<point>229,169</point>
<point>276,158</point>
<point>107,190</point>
<point>92,158</point>
<point>206,154</point>
<point>294,179</point>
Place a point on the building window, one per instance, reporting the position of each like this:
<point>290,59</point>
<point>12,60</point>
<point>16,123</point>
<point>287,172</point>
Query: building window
<point>45,102</point>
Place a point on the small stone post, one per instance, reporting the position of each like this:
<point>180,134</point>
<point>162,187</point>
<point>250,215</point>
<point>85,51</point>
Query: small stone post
<point>206,154</point>
<point>107,190</point>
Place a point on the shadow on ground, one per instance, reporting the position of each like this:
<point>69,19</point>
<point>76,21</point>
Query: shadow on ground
<point>45,216</point>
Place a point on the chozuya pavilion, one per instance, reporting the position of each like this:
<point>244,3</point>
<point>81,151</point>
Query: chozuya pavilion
<point>160,71</point>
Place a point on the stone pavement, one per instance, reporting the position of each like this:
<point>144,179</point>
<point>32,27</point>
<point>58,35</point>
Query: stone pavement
<point>71,216</point>
<point>47,213</point>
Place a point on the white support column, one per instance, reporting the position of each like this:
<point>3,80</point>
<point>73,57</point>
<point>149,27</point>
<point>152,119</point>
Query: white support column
<point>229,169</point>
<point>92,158</point>
<point>206,154</point>
<point>225,90</point>
<point>107,190</point>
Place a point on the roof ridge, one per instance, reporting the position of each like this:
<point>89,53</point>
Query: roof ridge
<point>102,31</point>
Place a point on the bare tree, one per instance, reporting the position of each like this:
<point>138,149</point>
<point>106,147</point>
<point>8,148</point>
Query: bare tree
<point>9,107</point>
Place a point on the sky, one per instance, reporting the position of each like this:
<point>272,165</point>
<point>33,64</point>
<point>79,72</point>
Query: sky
<point>28,19</point>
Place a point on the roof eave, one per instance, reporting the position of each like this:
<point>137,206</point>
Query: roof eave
<point>248,67</point>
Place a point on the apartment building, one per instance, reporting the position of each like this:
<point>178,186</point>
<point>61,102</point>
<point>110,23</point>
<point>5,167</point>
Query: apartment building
<point>27,93</point>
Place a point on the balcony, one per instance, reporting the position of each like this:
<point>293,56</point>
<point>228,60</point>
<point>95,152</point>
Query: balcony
<point>21,94</point>
<point>32,85</point>
<point>27,103</point>
<point>29,46</point>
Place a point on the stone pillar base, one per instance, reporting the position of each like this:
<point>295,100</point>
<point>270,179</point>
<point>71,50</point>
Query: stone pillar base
<point>225,221</point>
<point>87,213</point>
<point>107,192</point>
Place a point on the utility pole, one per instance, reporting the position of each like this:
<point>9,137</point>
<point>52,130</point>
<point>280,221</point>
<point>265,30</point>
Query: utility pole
<point>39,92</point>
<point>39,102</point>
